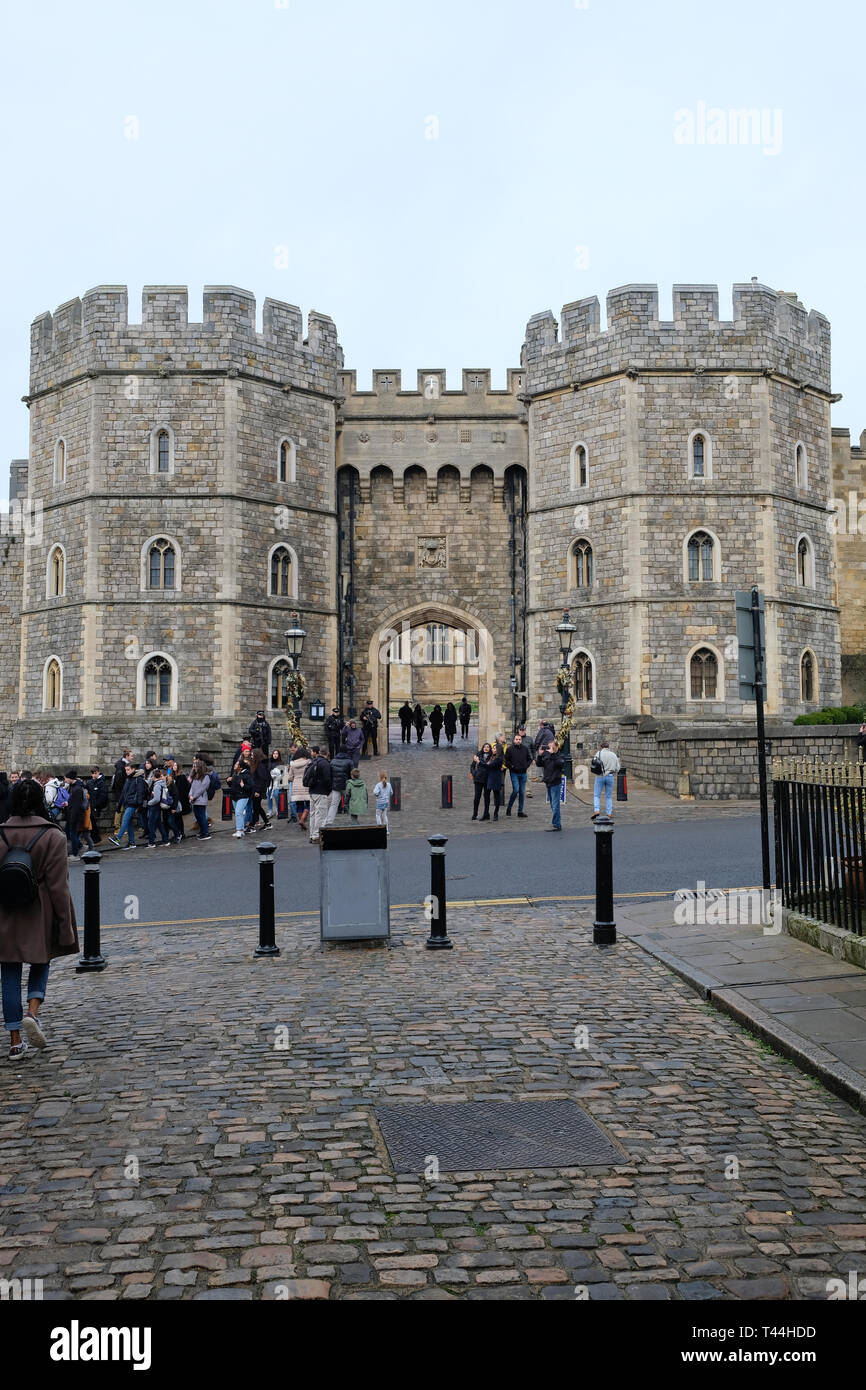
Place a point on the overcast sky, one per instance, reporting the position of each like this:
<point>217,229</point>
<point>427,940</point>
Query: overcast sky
<point>430,175</point>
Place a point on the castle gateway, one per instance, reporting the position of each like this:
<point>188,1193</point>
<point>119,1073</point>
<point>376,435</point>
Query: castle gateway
<point>197,483</point>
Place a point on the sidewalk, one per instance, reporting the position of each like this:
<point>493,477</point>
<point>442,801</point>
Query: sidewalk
<point>803,1002</point>
<point>171,1144</point>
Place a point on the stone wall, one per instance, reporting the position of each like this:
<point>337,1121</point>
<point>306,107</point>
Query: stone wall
<point>720,763</point>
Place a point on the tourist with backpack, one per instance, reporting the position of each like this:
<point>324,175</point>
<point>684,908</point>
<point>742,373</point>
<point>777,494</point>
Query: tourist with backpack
<point>37,917</point>
<point>156,803</point>
<point>604,767</point>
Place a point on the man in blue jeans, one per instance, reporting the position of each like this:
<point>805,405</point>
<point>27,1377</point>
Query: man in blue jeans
<point>604,781</point>
<point>517,760</point>
<point>551,762</point>
<point>131,803</point>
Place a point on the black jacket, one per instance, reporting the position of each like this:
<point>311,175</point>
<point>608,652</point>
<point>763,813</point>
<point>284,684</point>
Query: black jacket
<point>75,805</point>
<point>333,725</point>
<point>181,786</point>
<point>241,784</point>
<point>449,719</point>
<point>495,774</point>
<point>518,757</point>
<point>480,769</point>
<point>551,765</point>
<point>262,779</point>
<point>437,718</point>
<point>419,718</point>
<point>464,710</point>
<point>134,791</point>
<point>317,778</point>
<point>260,734</point>
<point>370,715</point>
<point>98,790</point>
<point>405,713</point>
<point>341,769</point>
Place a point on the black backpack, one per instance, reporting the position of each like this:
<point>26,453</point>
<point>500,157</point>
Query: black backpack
<point>19,886</point>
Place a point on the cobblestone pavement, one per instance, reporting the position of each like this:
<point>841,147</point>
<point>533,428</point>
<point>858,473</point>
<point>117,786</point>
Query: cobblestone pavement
<point>201,1126</point>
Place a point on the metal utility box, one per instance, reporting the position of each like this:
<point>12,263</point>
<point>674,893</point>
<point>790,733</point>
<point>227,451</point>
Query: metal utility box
<point>355,888</point>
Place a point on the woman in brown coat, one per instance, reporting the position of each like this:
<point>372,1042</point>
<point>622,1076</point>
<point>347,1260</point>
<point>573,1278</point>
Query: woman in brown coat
<point>38,933</point>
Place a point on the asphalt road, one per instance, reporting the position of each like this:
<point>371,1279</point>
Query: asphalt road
<point>178,885</point>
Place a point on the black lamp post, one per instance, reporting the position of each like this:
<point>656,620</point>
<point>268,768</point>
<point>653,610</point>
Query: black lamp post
<point>294,646</point>
<point>565,631</point>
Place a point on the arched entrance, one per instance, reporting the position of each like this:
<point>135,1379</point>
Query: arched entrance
<point>435,651</point>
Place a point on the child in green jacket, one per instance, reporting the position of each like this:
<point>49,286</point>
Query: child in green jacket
<point>357,789</point>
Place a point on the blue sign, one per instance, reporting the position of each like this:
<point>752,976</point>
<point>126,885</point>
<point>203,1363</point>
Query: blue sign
<point>562,790</point>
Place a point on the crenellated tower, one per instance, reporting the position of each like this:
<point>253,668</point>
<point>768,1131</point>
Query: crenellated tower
<point>185,474</point>
<point>672,463</point>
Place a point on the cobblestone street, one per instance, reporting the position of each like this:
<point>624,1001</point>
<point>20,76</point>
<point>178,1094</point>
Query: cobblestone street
<point>201,1125</point>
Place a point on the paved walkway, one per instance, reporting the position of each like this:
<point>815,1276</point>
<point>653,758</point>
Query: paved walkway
<point>807,1004</point>
<point>202,1125</point>
<point>421,770</point>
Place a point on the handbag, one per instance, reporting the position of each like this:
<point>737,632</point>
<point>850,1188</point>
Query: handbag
<point>596,767</point>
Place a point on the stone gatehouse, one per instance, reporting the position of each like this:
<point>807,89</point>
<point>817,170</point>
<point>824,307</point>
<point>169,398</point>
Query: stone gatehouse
<point>191,485</point>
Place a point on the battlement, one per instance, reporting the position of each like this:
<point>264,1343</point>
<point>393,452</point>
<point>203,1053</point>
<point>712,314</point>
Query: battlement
<point>94,333</point>
<point>769,329</point>
<point>431,396</point>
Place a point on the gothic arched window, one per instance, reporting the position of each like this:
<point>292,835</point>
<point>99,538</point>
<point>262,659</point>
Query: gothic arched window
<point>281,573</point>
<point>161,564</point>
<point>157,683</point>
<point>807,678</point>
<point>703,674</point>
<point>582,571</point>
<point>700,551</point>
<point>583,677</point>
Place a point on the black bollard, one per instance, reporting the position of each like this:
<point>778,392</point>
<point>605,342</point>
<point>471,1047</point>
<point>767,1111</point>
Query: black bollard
<point>267,941</point>
<point>92,959</point>
<point>397,798</point>
<point>438,938</point>
<point>604,927</point>
<point>447,791</point>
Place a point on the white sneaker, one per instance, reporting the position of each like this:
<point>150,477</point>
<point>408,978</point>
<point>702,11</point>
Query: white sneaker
<point>239,834</point>
<point>30,1027</point>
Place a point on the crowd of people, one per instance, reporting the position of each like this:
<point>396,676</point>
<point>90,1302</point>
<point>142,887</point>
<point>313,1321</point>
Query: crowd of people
<point>158,801</point>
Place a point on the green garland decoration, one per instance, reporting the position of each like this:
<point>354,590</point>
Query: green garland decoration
<point>296,688</point>
<point>563,683</point>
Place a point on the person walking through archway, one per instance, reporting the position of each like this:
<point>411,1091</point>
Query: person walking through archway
<point>405,716</point>
<point>464,712</point>
<point>450,723</point>
<point>419,719</point>
<point>436,721</point>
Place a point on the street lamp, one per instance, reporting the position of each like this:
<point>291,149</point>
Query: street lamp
<point>565,631</point>
<point>294,646</point>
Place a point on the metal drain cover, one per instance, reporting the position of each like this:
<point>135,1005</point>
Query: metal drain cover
<point>478,1136</point>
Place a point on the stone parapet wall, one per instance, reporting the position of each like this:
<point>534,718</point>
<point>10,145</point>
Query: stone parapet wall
<point>720,762</point>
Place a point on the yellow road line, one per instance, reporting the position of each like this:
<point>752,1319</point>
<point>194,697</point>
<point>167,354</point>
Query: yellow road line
<point>398,907</point>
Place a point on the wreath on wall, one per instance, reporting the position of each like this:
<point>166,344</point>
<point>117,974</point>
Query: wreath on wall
<point>296,686</point>
<point>563,683</point>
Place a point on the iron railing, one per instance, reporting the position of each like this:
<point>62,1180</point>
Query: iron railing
<point>820,832</point>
